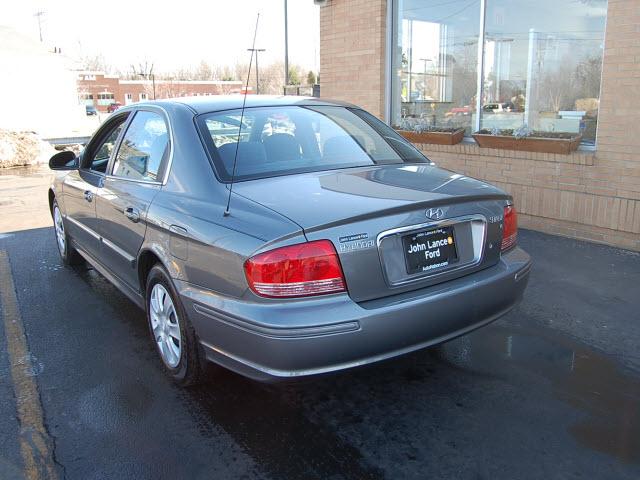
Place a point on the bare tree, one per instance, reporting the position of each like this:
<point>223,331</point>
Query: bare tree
<point>241,70</point>
<point>560,88</point>
<point>203,71</point>
<point>168,89</point>
<point>96,63</point>
<point>588,74</point>
<point>142,68</point>
<point>272,78</point>
<point>224,72</point>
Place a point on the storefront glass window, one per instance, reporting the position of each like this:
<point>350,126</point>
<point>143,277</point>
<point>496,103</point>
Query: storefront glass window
<point>540,70</point>
<point>435,63</point>
<point>542,65</point>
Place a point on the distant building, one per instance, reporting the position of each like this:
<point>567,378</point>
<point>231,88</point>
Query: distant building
<point>101,90</point>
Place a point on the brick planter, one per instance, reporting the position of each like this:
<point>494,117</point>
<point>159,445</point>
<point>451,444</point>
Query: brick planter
<point>528,144</point>
<point>434,138</point>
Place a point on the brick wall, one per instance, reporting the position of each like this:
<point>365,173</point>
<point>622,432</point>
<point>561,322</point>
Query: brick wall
<point>352,42</point>
<point>593,196</point>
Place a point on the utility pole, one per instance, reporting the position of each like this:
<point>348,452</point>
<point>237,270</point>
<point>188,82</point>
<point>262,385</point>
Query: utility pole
<point>39,15</point>
<point>286,46</point>
<point>256,50</point>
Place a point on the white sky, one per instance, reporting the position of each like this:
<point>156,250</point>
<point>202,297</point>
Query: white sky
<point>180,34</point>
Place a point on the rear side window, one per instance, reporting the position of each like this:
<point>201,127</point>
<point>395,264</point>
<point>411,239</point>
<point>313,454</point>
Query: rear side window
<point>296,139</point>
<point>143,149</point>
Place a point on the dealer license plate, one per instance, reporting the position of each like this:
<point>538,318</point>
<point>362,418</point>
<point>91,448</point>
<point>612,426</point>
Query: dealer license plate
<point>429,250</point>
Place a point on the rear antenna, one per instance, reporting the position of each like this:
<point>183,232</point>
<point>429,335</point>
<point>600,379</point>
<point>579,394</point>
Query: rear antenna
<point>244,101</point>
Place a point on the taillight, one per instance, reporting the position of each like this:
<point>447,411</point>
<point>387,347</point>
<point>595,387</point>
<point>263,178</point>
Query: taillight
<point>510,232</point>
<point>298,270</point>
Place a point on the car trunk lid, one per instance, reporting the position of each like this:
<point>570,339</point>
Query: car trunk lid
<point>376,216</point>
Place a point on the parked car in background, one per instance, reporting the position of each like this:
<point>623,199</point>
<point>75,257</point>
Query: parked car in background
<point>113,107</point>
<point>91,110</point>
<point>499,107</point>
<point>340,245</point>
<point>457,111</point>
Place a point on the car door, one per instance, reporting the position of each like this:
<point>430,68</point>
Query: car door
<point>135,176</point>
<point>81,186</point>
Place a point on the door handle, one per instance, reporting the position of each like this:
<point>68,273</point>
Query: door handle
<point>132,214</point>
<point>88,195</point>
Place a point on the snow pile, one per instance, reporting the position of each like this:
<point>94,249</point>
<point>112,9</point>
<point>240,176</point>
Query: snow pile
<point>23,148</point>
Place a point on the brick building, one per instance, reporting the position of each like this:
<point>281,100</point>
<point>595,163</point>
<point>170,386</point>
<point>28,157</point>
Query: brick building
<point>101,90</point>
<point>551,65</point>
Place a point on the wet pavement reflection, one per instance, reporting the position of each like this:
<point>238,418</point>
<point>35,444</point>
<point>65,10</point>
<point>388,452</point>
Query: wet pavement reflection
<point>585,379</point>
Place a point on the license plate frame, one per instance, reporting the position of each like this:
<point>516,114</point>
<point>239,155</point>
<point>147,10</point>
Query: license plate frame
<point>430,250</point>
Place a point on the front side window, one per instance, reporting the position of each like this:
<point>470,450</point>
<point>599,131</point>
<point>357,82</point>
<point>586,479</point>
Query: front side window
<point>99,160</point>
<point>539,69</point>
<point>144,146</point>
<point>295,139</point>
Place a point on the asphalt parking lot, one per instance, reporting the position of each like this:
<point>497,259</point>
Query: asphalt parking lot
<point>551,391</point>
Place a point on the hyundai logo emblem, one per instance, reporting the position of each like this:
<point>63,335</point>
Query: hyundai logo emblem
<point>435,213</point>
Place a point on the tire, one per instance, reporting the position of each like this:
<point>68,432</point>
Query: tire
<point>181,356</point>
<point>68,254</point>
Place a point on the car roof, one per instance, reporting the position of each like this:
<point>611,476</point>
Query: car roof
<point>215,103</point>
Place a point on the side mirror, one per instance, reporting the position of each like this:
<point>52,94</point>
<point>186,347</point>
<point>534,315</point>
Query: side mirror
<point>65,160</point>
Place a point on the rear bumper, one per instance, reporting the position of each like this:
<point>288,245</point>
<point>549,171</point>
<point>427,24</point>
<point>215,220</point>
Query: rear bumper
<point>271,341</point>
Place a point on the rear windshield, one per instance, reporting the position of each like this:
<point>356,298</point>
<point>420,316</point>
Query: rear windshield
<point>295,139</point>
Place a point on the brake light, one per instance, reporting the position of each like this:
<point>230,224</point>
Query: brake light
<point>311,268</point>
<point>510,231</point>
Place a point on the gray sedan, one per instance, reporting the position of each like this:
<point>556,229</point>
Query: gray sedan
<point>290,238</point>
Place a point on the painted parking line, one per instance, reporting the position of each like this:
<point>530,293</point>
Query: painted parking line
<point>35,444</point>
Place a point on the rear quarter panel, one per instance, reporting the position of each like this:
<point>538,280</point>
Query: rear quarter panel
<point>208,249</point>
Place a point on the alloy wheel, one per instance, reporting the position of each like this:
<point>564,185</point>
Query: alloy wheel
<point>59,226</point>
<point>165,325</point>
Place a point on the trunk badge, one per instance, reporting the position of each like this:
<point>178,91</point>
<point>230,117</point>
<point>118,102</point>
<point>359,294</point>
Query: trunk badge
<point>435,213</point>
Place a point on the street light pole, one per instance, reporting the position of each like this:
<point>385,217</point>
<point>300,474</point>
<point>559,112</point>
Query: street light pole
<point>257,50</point>
<point>286,45</point>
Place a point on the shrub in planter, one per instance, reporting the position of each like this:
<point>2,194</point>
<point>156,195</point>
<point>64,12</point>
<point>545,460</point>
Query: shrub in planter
<point>420,133</point>
<point>525,139</point>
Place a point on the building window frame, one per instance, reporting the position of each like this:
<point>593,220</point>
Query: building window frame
<point>392,12</point>
<point>105,98</point>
